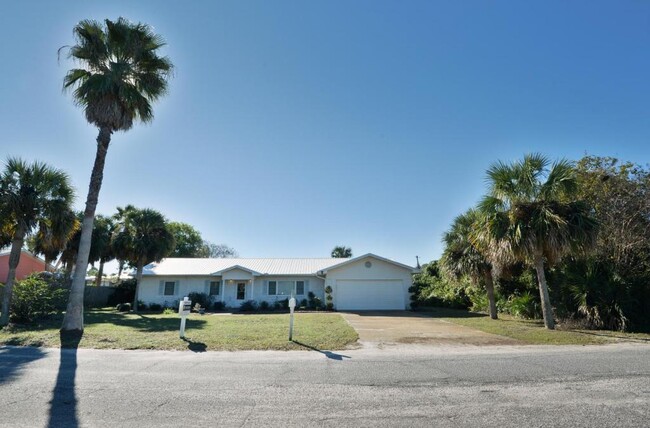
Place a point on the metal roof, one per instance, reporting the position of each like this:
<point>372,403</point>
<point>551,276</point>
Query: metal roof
<point>186,266</point>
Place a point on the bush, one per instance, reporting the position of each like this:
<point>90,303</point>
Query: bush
<point>524,306</point>
<point>329,306</point>
<point>303,304</point>
<point>264,305</point>
<point>34,298</point>
<point>219,306</point>
<point>168,311</point>
<point>200,298</point>
<point>155,307</point>
<point>277,305</point>
<point>142,306</point>
<point>248,306</point>
<point>125,292</point>
<point>123,307</point>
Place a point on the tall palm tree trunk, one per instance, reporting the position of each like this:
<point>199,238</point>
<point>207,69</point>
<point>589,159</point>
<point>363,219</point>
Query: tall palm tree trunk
<point>489,287</point>
<point>100,273</point>
<point>138,280</point>
<point>73,319</point>
<point>14,259</point>
<point>547,311</point>
<point>119,271</point>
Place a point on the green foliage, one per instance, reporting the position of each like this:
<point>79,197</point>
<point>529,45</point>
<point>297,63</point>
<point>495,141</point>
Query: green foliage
<point>200,298</point>
<point>525,306</point>
<point>188,240</point>
<point>124,292</point>
<point>264,305</point>
<point>123,307</point>
<point>341,251</point>
<point>218,306</point>
<point>35,298</point>
<point>168,311</point>
<point>248,306</point>
<point>155,307</point>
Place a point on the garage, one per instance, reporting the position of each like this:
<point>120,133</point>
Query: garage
<point>370,294</point>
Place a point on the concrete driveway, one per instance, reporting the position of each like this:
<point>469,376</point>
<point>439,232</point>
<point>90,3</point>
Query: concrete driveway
<point>382,329</point>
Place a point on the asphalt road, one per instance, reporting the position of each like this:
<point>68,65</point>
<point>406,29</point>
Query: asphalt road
<point>411,386</point>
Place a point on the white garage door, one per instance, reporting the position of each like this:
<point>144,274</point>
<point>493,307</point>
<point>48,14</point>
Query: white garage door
<point>369,295</point>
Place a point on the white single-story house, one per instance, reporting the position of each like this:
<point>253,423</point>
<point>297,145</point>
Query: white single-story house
<point>368,282</point>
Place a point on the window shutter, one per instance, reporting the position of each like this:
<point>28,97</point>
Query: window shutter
<point>206,287</point>
<point>161,288</point>
<point>176,287</point>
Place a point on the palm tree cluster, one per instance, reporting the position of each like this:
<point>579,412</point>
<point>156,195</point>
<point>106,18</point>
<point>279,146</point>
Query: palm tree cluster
<point>531,216</point>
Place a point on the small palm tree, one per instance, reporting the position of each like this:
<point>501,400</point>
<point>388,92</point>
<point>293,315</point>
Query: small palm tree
<point>144,237</point>
<point>121,74</point>
<point>31,195</point>
<point>531,215</point>
<point>341,251</point>
<point>101,249</point>
<point>53,236</point>
<point>461,257</point>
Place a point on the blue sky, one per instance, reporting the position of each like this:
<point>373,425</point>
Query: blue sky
<point>291,127</point>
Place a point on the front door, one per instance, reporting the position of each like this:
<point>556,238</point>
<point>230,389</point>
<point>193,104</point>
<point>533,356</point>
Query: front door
<point>241,290</point>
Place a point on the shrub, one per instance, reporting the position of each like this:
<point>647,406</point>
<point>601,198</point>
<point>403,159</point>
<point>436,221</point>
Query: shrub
<point>219,306</point>
<point>524,306</point>
<point>329,306</point>
<point>277,305</point>
<point>155,307</point>
<point>34,298</point>
<point>328,298</point>
<point>303,304</point>
<point>264,305</point>
<point>124,292</point>
<point>123,307</point>
<point>317,304</point>
<point>200,298</point>
<point>248,306</point>
<point>142,306</point>
<point>168,311</point>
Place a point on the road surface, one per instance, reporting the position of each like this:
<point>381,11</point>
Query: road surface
<point>522,386</point>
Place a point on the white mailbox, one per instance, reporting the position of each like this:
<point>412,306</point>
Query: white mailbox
<point>184,308</point>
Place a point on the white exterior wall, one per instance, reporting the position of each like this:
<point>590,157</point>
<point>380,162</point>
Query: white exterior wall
<point>380,270</point>
<point>149,288</point>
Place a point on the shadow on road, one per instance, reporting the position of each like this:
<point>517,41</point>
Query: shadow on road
<point>329,354</point>
<point>195,346</point>
<point>12,360</point>
<point>63,406</point>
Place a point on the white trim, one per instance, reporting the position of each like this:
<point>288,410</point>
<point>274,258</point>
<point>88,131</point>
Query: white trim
<point>374,256</point>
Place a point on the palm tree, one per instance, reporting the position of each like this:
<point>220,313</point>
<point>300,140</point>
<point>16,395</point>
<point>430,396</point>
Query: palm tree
<point>531,215</point>
<point>30,195</point>
<point>144,236</point>
<point>101,249</point>
<point>53,236</point>
<point>341,251</point>
<point>461,257</point>
<point>121,74</point>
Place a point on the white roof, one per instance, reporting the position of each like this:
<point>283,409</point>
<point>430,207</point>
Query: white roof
<point>203,267</point>
<point>184,266</point>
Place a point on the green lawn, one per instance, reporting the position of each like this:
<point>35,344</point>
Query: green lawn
<point>532,332</point>
<point>108,329</point>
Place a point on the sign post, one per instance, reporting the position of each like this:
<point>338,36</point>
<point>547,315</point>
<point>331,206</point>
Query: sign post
<point>292,306</point>
<point>184,308</point>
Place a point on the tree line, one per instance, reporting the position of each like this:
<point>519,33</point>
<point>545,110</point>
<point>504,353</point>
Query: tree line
<point>564,241</point>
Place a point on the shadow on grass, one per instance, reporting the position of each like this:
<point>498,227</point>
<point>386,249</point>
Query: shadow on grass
<point>195,346</point>
<point>329,354</point>
<point>63,406</point>
<point>150,323</point>
<point>13,360</point>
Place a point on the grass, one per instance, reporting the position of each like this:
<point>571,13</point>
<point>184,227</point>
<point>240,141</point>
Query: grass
<point>532,332</point>
<point>108,329</point>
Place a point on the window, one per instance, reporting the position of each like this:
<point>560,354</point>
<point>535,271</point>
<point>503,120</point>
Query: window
<point>286,288</point>
<point>169,288</point>
<point>214,288</point>
<point>241,291</point>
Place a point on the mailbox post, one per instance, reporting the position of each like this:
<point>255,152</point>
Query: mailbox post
<point>292,306</point>
<point>184,308</point>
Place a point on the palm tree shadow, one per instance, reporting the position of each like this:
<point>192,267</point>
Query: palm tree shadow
<point>63,406</point>
<point>195,346</point>
<point>329,354</point>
